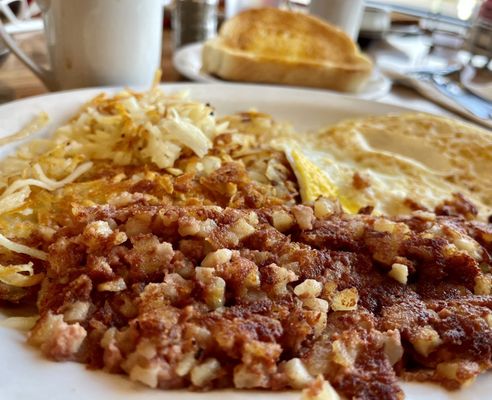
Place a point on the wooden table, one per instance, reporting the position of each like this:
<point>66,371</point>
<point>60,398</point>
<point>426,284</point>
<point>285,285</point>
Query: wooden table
<point>17,81</point>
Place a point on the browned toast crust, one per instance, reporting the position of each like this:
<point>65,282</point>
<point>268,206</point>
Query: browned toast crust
<point>276,46</point>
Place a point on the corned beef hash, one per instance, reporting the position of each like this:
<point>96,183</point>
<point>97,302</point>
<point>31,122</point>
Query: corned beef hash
<point>188,250</point>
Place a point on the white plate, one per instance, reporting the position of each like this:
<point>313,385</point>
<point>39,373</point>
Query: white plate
<point>188,62</point>
<point>25,375</point>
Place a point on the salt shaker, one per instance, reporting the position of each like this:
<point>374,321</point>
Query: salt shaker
<point>194,21</point>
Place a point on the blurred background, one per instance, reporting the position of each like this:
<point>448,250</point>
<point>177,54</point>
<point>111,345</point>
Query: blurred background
<point>451,37</point>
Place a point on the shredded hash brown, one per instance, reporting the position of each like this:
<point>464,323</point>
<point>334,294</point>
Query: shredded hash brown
<point>200,267</point>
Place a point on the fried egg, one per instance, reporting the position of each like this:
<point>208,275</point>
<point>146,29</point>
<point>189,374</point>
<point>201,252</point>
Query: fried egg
<point>395,162</point>
<point>315,182</point>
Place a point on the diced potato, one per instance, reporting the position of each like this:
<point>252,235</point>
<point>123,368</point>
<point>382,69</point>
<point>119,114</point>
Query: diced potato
<point>148,375</point>
<point>424,215</point>
<point>342,355</point>
<point>427,340</point>
<point>76,312</point>
<point>463,372</point>
<point>469,246</point>
<point>242,229</point>
<point>299,376</point>
<point>188,226</point>
<point>214,287</point>
<point>324,207</point>
<point>392,346</point>
<point>483,285</point>
<point>345,300</point>
<point>316,304</point>
<point>247,378</point>
<point>308,288</point>
<point>205,372</point>
<point>281,276</point>
<point>186,364</point>
<point>216,258</point>
<point>282,220</point>
<point>116,285</point>
<point>399,272</point>
<point>488,319</point>
<point>384,225</point>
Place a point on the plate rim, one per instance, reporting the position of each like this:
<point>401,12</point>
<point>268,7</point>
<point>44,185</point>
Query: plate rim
<point>36,100</point>
<point>184,85</point>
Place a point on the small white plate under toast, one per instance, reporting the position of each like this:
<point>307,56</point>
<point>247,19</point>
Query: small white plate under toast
<point>188,62</point>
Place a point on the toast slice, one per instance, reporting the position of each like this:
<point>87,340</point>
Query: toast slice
<point>269,45</point>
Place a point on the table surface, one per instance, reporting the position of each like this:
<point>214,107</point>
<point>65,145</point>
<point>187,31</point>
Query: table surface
<point>17,81</point>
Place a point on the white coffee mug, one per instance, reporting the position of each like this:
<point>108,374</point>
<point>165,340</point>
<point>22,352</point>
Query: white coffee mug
<point>98,42</point>
<point>346,14</point>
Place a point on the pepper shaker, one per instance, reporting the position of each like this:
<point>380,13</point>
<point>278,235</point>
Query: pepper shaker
<point>194,21</point>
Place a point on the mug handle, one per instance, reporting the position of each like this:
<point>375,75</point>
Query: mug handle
<point>44,74</point>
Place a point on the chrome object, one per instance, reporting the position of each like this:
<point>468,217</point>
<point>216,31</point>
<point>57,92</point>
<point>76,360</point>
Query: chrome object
<point>471,102</point>
<point>194,21</point>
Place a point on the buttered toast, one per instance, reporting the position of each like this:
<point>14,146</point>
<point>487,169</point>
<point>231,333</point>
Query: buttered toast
<point>269,45</point>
